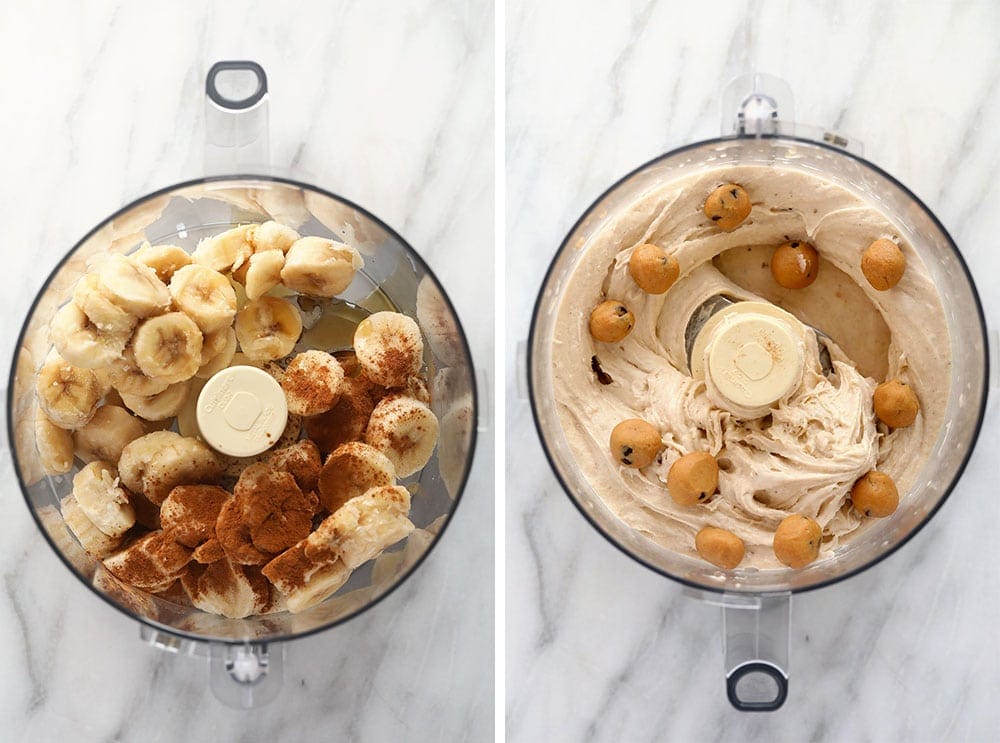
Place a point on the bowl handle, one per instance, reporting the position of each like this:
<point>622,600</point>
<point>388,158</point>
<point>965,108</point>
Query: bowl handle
<point>241,676</point>
<point>755,637</point>
<point>247,676</point>
<point>237,137</point>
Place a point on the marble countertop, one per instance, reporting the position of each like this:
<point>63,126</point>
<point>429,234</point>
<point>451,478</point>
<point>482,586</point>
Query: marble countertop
<point>389,106</point>
<point>598,647</point>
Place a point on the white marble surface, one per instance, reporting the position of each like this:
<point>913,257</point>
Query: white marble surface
<point>391,106</point>
<point>598,647</point>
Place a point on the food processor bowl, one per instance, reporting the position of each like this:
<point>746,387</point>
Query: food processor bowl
<point>394,278</point>
<point>759,138</point>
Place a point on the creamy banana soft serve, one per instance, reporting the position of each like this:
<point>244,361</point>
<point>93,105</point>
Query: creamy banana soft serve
<point>748,366</point>
<point>223,465</point>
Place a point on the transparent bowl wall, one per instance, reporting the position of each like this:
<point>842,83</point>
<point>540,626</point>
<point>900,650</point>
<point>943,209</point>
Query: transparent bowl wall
<point>966,396</point>
<point>182,215</point>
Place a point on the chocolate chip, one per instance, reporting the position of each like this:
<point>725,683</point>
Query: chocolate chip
<point>733,192</point>
<point>716,218</point>
<point>626,453</point>
<point>602,376</point>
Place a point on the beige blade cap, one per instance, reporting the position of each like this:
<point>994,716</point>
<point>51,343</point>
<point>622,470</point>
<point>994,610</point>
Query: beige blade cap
<point>241,411</point>
<point>754,359</point>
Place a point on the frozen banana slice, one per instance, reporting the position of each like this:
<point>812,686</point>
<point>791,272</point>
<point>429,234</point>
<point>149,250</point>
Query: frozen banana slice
<point>272,235</point>
<point>305,582</point>
<point>81,342</point>
<point>190,512</point>
<point>54,444</point>
<point>106,434</point>
<point>301,460</point>
<point>262,238</point>
<point>168,347</point>
<point>133,286</point>
<point>67,394</point>
<point>166,260</point>
<point>161,406</point>
<point>127,378</point>
<point>351,470</point>
<point>93,540</point>
<point>268,328</point>
<point>206,296</point>
<point>219,252</point>
<point>263,272</point>
<point>320,267</point>
<point>152,562</point>
<point>160,461</point>
<point>99,309</point>
<point>405,430</point>
<point>364,526</point>
<point>234,591</point>
<point>389,348</point>
<point>312,383</point>
<point>217,352</point>
<point>105,502</point>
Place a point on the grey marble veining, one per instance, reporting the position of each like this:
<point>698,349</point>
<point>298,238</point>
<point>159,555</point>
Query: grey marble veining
<point>598,647</point>
<point>390,105</point>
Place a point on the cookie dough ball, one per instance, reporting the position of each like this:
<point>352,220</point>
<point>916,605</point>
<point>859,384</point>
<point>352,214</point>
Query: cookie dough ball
<point>611,321</point>
<point>795,264</point>
<point>896,403</point>
<point>720,547</point>
<point>875,495</point>
<point>652,269</point>
<point>883,264</point>
<point>635,443</point>
<point>797,540</point>
<point>727,206</point>
<point>693,478</point>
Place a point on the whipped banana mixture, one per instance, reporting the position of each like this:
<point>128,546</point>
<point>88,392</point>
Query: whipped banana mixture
<point>804,454</point>
<point>159,501</point>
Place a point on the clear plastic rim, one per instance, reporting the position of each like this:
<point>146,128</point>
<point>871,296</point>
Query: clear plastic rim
<point>535,403</point>
<point>184,633</point>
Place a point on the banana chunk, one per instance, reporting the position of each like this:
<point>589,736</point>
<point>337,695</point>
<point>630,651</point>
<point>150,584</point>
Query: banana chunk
<point>151,563</point>
<point>166,260</point>
<point>54,444</point>
<point>389,348</point>
<point>206,296</point>
<point>127,378</point>
<point>262,238</point>
<point>272,235</point>
<point>312,383</point>
<point>168,347</point>
<point>351,470</point>
<point>160,461</point>
<point>102,499</point>
<point>364,526</point>
<point>405,430</point>
<point>161,406</point>
<point>217,352</point>
<point>106,434</point>
<point>133,286</point>
<point>224,588</point>
<point>301,460</point>
<point>268,328</point>
<point>99,309</point>
<point>81,342</point>
<point>263,272</point>
<point>190,512</point>
<point>67,394</point>
<point>219,252</point>
<point>320,267</point>
<point>305,582</point>
<point>93,540</point>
